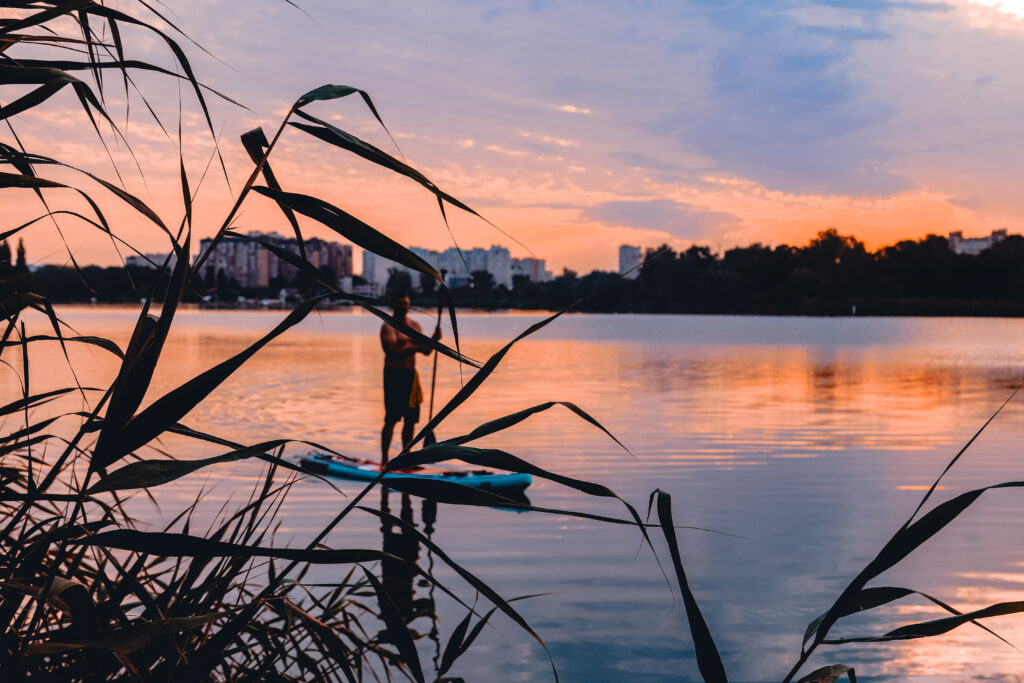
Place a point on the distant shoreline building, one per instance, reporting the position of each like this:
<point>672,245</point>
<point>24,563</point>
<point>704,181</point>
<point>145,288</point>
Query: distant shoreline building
<point>250,264</point>
<point>630,259</point>
<point>460,267</point>
<point>147,260</point>
<point>975,245</point>
<point>531,268</point>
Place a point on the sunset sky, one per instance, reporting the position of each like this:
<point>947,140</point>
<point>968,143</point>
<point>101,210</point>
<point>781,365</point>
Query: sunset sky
<point>577,126</point>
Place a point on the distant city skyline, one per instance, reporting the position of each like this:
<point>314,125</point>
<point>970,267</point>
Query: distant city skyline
<point>458,266</point>
<point>711,123</point>
<point>246,261</point>
<point>251,264</point>
<point>630,256</point>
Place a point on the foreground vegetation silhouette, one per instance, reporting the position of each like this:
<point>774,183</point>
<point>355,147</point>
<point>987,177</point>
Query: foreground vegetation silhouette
<point>85,595</point>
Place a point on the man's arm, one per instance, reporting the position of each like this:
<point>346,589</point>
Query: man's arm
<point>424,349</point>
<point>395,347</point>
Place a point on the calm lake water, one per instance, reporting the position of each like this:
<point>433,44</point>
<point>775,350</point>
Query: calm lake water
<point>808,440</point>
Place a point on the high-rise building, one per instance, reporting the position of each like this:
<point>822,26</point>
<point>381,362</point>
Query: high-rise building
<point>630,258</point>
<point>975,245</point>
<point>459,266</point>
<point>250,264</point>
<point>153,260</point>
<point>531,268</point>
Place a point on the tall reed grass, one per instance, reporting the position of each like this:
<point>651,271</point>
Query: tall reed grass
<point>85,594</point>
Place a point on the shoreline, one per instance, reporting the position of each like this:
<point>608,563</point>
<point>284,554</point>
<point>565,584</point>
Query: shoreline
<point>894,309</point>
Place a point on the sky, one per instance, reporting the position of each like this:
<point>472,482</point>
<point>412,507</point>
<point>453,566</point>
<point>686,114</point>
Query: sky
<point>577,126</point>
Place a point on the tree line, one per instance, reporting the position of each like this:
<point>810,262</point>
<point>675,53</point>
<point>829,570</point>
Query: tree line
<point>119,285</point>
<point>833,274</point>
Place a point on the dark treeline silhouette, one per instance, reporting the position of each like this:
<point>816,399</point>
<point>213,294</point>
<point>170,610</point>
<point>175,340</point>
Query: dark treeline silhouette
<point>118,284</point>
<point>833,274</point>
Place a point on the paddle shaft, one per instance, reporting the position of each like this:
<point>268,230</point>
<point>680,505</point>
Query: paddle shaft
<point>433,375</point>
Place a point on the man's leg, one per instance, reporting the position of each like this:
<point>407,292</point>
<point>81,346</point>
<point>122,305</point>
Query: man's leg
<point>385,439</point>
<point>408,431</point>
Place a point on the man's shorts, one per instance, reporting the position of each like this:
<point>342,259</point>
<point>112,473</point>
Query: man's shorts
<point>398,389</point>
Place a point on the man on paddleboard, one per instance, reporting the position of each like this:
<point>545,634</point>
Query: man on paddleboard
<point>402,391</point>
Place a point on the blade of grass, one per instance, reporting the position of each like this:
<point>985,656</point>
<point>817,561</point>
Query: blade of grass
<point>871,598</point>
<point>708,660</point>
<point>167,410</point>
<point>174,545</point>
<point>829,674</point>
<point>513,419</point>
<point>398,631</point>
<point>135,637</point>
<point>936,627</point>
<point>351,228</point>
<point>367,303</point>
<point>472,580</point>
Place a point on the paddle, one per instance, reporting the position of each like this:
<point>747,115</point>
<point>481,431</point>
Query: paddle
<point>429,439</point>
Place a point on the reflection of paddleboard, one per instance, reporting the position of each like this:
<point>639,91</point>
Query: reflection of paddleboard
<point>323,463</point>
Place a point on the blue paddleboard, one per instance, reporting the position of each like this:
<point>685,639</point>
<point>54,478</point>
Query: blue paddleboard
<point>323,463</point>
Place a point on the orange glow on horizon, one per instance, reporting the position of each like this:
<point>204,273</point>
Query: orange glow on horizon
<point>545,212</point>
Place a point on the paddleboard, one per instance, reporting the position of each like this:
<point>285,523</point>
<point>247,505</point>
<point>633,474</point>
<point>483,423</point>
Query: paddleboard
<point>331,465</point>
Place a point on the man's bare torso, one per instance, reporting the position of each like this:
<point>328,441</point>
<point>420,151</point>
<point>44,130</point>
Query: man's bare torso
<point>391,339</point>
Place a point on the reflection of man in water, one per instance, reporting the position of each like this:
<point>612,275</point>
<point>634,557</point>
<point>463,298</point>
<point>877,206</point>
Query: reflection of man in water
<point>402,391</point>
<point>397,574</point>
<point>400,568</point>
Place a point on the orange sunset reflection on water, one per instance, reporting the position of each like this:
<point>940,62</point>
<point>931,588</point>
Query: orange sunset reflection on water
<point>808,440</point>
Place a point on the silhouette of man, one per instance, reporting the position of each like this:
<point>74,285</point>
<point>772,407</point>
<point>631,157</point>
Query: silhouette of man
<point>402,391</point>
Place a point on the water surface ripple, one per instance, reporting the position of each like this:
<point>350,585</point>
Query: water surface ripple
<point>810,440</point>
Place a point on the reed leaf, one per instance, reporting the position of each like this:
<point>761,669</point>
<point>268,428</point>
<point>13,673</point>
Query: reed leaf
<point>339,138</point>
<point>257,146</point>
<point>472,580</point>
<point>36,399</point>
<point>121,64</point>
<point>182,545</point>
<point>398,632</point>
<point>907,539</point>
<point>35,97</point>
<point>708,660</point>
<point>491,458</point>
<point>179,55</point>
<point>24,444</point>
<point>453,493</point>
<point>167,410</point>
<point>34,427</point>
<point>351,228</point>
<point>152,473</point>
<point>135,637</point>
<point>459,642</point>
<point>454,647</point>
<point>367,303</point>
<point>100,342</point>
<point>830,674</point>
<point>58,10</point>
<point>139,364</point>
<point>334,92</point>
<point>67,595</point>
<point>871,598</point>
<point>936,627</point>
<point>513,419</point>
<point>478,378</point>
